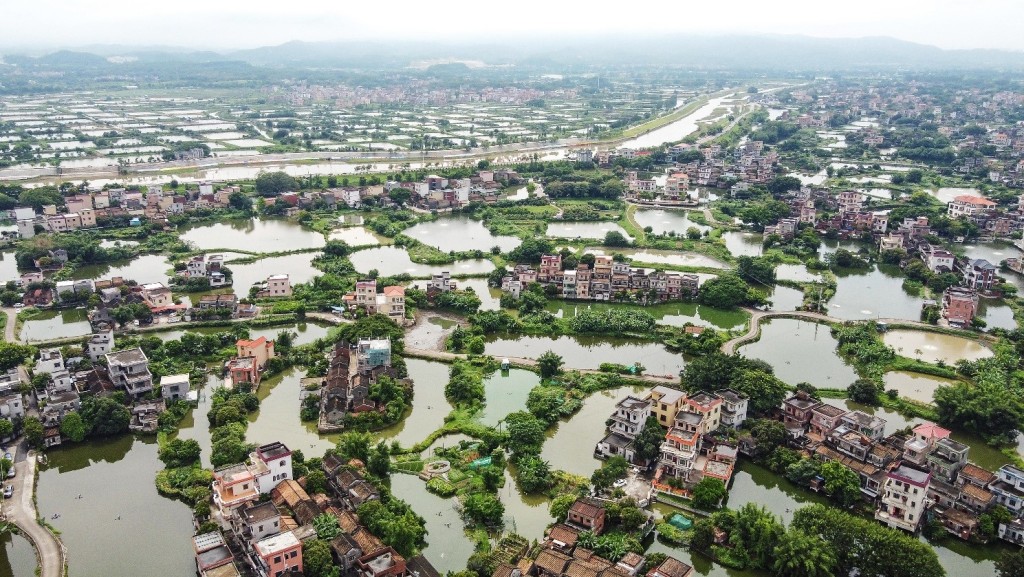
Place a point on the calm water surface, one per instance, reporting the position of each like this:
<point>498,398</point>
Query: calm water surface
<point>801,351</point>
<point>459,233</point>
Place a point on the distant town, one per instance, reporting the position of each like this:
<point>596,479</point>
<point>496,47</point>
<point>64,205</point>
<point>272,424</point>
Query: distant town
<point>533,328</point>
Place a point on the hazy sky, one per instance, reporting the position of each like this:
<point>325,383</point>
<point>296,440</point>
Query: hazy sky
<point>228,24</point>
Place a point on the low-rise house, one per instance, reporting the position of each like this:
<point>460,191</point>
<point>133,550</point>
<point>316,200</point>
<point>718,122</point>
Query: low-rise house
<point>551,563</point>
<point>174,387</point>
<point>243,372</point>
<point>1012,531</point>
<point>626,424</point>
<point>157,296</point>
<point>12,406</point>
<point>146,416</point>
<point>708,407</point>
<point>562,538</point>
<point>978,274</point>
<point>671,567</point>
<point>586,515</point>
<point>968,205</point>
<point>233,487</point>
<point>256,521</point>
<point>278,555</point>
<point>211,553</point>
<point>383,563</point>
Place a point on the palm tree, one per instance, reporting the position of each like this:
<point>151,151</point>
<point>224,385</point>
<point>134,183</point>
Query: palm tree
<point>801,555</point>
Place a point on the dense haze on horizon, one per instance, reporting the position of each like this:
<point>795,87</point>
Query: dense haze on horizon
<point>225,25</point>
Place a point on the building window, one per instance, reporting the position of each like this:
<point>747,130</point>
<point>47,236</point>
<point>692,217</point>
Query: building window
<point>277,560</point>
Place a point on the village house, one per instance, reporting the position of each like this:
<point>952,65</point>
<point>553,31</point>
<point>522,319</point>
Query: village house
<point>174,387</point>
<point>959,305</point>
<point>968,205</point>
<point>255,521</point>
<point>665,403</point>
<point>129,370</point>
<point>626,424</point>
<point>99,344</point>
<point>903,499</point>
<point>797,411</point>
<point>278,555</point>
<point>586,515</point>
<point>979,274</point>
<point>261,349</point>
<point>671,567</point>
<point>276,286</point>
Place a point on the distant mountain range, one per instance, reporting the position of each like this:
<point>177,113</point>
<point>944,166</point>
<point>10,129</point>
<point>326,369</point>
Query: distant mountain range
<point>748,52</point>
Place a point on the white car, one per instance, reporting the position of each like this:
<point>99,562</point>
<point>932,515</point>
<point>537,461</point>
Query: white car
<point>619,483</point>
<point>19,305</point>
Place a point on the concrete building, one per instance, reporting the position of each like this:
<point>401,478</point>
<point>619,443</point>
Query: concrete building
<point>129,369</point>
<point>903,498</point>
<point>100,344</point>
<point>174,387</point>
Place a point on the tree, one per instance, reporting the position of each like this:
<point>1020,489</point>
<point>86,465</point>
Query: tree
<point>841,483</point>
<point>400,196</point>
<point>228,450</point>
<point>379,463</point>
<point>769,434</point>
<point>326,526</point>
<point>801,555</point>
<point>708,493</point>
<point>484,509</point>
<point>725,291</point>
<point>5,467</point>
<point>6,428</point>
<point>316,558</point>
<point>559,507</point>
<point>550,364</point>
<point>354,445</point>
<point>648,443</point>
<point>1011,564</point>
<point>615,238</point>
<point>12,355</point>
<point>864,391</point>
<point>612,469</point>
<point>525,433</point>
<point>239,201</point>
<point>316,482</point>
<point>270,184</point>
<point>32,428</point>
<point>176,453</point>
<point>105,417</point>
<point>533,474</point>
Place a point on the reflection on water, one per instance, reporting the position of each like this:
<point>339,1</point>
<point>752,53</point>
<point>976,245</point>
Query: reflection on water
<point>934,347</point>
<point>459,233</point>
<point>253,235</point>
<point>801,351</point>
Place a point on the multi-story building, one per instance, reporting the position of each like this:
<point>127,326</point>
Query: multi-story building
<point>824,418</point>
<point>870,426</point>
<point>129,369</point>
<point>100,344</point>
<point>968,205</point>
<point>734,407</point>
<point>665,403</point>
<point>903,498</point>
<point>1008,488</point>
<point>255,521</point>
<point>979,274</point>
<point>946,459</point>
<point>925,435</point>
<point>797,410</point>
<point>627,422</point>
<point>277,285</point>
<point>959,305</point>
<point>278,555</point>
<point>261,349</point>
<point>708,407</point>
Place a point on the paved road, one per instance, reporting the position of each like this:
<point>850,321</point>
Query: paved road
<point>22,511</point>
<point>756,316</point>
<point>447,357</point>
<point>12,316</point>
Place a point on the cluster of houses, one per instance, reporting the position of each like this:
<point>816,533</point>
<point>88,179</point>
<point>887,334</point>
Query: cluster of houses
<point>265,516</point>
<point>561,555</point>
<point>246,368</point>
<point>440,193</point>
<point>345,389</point>
<point>389,302</point>
<point>607,280</point>
<point>83,210</point>
<point>689,451</point>
<point>911,478</point>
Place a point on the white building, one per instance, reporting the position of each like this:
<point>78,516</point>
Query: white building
<point>903,500</point>
<point>100,344</point>
<point>174,387</point>
<point>129,369</point>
